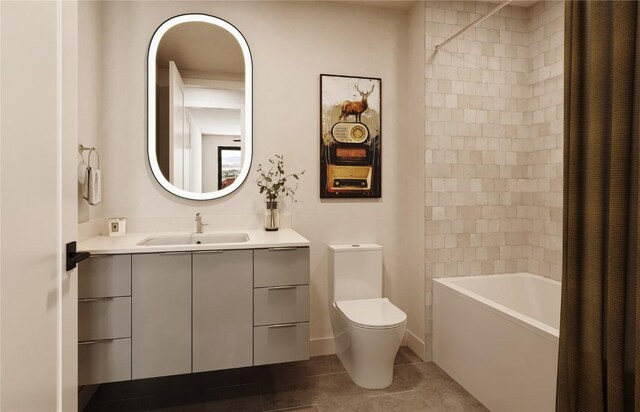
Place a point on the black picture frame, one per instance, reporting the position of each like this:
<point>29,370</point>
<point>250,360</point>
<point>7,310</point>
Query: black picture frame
<point>369,152</point>
<point>220,150</point>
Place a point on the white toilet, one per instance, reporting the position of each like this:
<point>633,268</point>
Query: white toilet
<point>367,328</point>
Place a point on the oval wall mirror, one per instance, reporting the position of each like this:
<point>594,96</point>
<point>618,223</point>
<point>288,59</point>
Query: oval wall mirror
<point>199,106</point>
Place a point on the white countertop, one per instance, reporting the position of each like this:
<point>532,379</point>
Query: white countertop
<point>258,239</point>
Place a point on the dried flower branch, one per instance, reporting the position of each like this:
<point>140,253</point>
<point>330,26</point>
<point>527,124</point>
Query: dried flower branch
<point>273,182</point>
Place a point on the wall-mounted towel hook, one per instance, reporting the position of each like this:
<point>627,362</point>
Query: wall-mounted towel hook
<point>89,157</point>
<point>82,148</point>
<point>91,186</point>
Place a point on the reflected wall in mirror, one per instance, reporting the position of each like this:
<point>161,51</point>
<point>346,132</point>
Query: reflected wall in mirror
<point>199,106</point>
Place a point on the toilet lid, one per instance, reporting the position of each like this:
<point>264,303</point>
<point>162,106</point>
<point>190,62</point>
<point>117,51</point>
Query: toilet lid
<point>376,313</point>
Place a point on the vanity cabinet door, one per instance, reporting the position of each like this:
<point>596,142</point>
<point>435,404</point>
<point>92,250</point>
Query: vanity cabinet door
<point>161,314</point>
<point>222,310</point>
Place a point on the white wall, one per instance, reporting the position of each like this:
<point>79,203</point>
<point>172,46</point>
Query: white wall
<point>89,93</point>
<point>292,43</point>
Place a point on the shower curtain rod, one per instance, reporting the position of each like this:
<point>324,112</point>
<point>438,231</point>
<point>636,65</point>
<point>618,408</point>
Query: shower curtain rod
<point>480,20</point>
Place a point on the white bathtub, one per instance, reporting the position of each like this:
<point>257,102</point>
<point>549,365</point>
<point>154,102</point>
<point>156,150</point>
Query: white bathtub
<point>497,336</point>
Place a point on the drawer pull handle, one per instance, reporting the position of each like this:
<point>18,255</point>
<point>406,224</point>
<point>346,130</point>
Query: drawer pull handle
<point>100,256</point>
<point>282,287</point>
<point>281,326</point>
<point>93,342</point>
<point>95,299</point>
<point>202,252</point>
<point>173,253</point>
<point>281,249</point>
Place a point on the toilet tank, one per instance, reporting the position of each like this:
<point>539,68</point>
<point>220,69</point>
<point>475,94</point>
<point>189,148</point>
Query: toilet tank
<point>355,272</point>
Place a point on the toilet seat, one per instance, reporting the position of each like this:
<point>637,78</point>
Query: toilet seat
<point>376,313</point>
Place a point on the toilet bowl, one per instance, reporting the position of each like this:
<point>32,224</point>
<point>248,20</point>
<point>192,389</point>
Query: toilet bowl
<point>367,335</point>
<point>367,328</point>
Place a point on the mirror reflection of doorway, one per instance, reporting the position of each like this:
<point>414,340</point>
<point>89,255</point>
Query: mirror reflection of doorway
<point>200,104</point>
<point>229,163</point>
<point>200,115</point>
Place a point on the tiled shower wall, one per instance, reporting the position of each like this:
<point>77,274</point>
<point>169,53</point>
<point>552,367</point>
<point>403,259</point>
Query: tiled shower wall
<point>493,139</point>
<point>543,205</point>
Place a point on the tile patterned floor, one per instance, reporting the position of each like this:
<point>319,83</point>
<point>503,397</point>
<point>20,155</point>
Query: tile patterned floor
<point>317,385</point>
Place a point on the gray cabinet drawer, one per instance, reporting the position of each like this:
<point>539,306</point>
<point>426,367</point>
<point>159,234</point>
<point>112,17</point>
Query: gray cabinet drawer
<point>105,275</point>
<point>281,266</point>
<point>101,362</point>
<point>104,319</point>
<point>280,304</point>
<point>280,343</point>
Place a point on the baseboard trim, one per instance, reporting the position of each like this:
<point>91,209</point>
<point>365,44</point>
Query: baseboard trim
<point>326,346</point>
<point>322,346</point>
<point>416,345</point>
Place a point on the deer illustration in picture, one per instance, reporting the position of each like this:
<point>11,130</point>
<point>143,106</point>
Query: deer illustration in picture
<point>358,107</point>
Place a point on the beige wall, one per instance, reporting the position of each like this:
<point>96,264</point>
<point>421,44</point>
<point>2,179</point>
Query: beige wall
<point>89,92</point>
<point>411,164</point>
<point>292,43</point>
<point>493,141</point>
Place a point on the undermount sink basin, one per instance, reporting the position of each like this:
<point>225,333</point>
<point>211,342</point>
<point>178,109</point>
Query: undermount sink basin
<point>194,239</point>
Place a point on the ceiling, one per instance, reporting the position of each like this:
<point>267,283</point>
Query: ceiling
<point>384,4</point>
<point>200,47</point>
<point>517,3</point>
<point>203,47</point>
<point>406,5</point>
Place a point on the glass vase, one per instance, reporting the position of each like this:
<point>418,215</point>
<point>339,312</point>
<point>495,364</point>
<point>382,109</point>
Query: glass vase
<point>271,216</point>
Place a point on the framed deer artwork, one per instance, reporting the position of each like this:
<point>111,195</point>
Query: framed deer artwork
<point>350,136</point>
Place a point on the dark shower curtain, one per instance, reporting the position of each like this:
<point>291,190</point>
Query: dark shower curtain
<point>599,363</point>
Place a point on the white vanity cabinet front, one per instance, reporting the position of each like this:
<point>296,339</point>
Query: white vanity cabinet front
<point>222,310</point>
<point>161,314</point>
